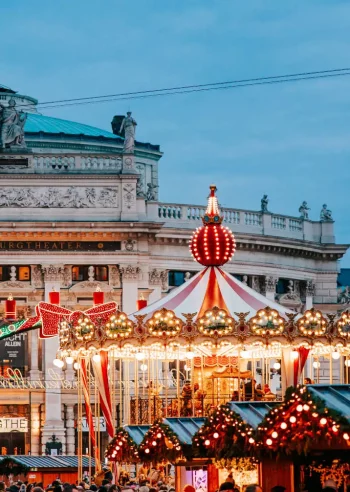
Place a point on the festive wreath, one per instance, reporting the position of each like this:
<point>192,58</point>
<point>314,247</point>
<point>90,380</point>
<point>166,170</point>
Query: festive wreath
<point>160,445</point>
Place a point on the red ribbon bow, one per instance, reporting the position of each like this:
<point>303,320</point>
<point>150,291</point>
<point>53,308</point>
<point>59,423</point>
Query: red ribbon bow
<point>51,315</point>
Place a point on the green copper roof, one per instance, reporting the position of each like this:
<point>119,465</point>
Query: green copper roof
<point>39,123</point>
<point>3,88</point>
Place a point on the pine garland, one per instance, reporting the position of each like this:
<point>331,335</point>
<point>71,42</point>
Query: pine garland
<point>122,448</point>
<point>224,435</point>
<point>300,424</point>
<point>160,445</point>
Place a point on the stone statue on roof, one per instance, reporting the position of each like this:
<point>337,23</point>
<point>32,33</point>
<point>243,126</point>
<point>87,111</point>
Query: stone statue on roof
<point>326,214</point>
<point>11,126</point>
<point>304,211</point>
<point>264,203</point>
<point>125,126</point>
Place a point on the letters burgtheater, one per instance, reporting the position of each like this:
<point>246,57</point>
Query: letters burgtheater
<point>60,246</point>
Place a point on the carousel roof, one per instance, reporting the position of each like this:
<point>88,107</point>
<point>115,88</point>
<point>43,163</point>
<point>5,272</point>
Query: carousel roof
<point>213,287</point>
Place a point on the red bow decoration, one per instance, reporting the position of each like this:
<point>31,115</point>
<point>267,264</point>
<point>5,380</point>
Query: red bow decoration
<point>51,315</point>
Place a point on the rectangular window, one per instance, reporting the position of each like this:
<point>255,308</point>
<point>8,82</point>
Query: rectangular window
<point>101,273</point>
<point>23,273</point>
<point>176,278</point>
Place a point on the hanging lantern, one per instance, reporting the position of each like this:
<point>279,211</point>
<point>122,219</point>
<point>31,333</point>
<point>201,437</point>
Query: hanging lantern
<point>10,308</point>
<point>99,296</point>
<point>212,244</point>
<point>54,297</point>
<point>141,303</point>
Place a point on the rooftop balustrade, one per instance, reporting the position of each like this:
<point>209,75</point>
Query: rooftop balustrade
<point>249,222</point>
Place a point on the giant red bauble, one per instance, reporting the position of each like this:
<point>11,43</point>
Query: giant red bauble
<point>212,245</point>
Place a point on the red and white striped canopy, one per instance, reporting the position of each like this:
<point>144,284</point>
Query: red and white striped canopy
<point>213,287</point>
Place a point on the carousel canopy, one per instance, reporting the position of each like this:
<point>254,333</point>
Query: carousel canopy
<point>209,288</point>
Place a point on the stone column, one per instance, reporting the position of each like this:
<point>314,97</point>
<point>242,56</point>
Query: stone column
<point>35,429</point>
<point>34,372</point>
<point>158,281</point>
<point>270,287</point>
<point>54,424</point>
<point>309,294</point>
<point>130,274</point>
<point>70,449</point>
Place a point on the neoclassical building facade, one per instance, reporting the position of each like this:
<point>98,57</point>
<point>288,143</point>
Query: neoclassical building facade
<point>77,213</point>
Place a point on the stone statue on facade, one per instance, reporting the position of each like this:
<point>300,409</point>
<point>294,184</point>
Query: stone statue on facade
<point>264,203</point>
<point>326,214</point>
<point>304,211</point>
<point>344,296</point>
<point>187,276</point>
<point>127,128</point>
<point>11,126</point>
<point>151,192</point>
<point>245,280</point>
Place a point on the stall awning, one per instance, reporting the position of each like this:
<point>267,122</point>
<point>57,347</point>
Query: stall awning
<point>49,461</point>
<point>137,432</point>
<point>252,412</point>
<point>184,427</point>
<point>335,396</point>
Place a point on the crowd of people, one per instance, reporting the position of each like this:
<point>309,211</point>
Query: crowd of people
<point>146,485</point>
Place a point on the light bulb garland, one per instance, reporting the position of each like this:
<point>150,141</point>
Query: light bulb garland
<point>215,322</point>
<point>122,448</point>
<point>160,445</point>
<point>224,435</point>
<point>84,329</point>
<point>343,325</point>
<point>119,326</point>
<point>267,322</point>
<point>312,323</point>
<point>164,323</point>
<point>299,423</point>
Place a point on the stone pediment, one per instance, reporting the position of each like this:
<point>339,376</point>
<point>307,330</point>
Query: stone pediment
<point>13,285</point>
<point>90,287</point>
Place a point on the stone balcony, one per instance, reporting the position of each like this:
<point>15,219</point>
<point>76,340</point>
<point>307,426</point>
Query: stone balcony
<point>249,222</point>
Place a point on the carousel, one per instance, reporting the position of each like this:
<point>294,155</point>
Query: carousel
<point>211,341</point>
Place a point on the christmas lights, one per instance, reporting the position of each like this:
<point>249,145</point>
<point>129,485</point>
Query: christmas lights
<point>160,445</point>
<point>299,424</point>
<point>122,448</point>
<point>164,322</point>
<point>223,435</point>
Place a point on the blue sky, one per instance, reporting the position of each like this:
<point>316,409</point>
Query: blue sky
<point>291,141</point>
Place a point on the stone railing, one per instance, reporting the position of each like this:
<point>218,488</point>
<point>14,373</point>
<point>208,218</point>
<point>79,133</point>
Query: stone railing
<point>248,221</point>
<point>75,163</point>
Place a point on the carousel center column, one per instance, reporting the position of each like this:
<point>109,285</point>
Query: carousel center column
<point>54,424</point>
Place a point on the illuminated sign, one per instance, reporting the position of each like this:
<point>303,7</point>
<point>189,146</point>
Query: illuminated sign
<point>60,245</point>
